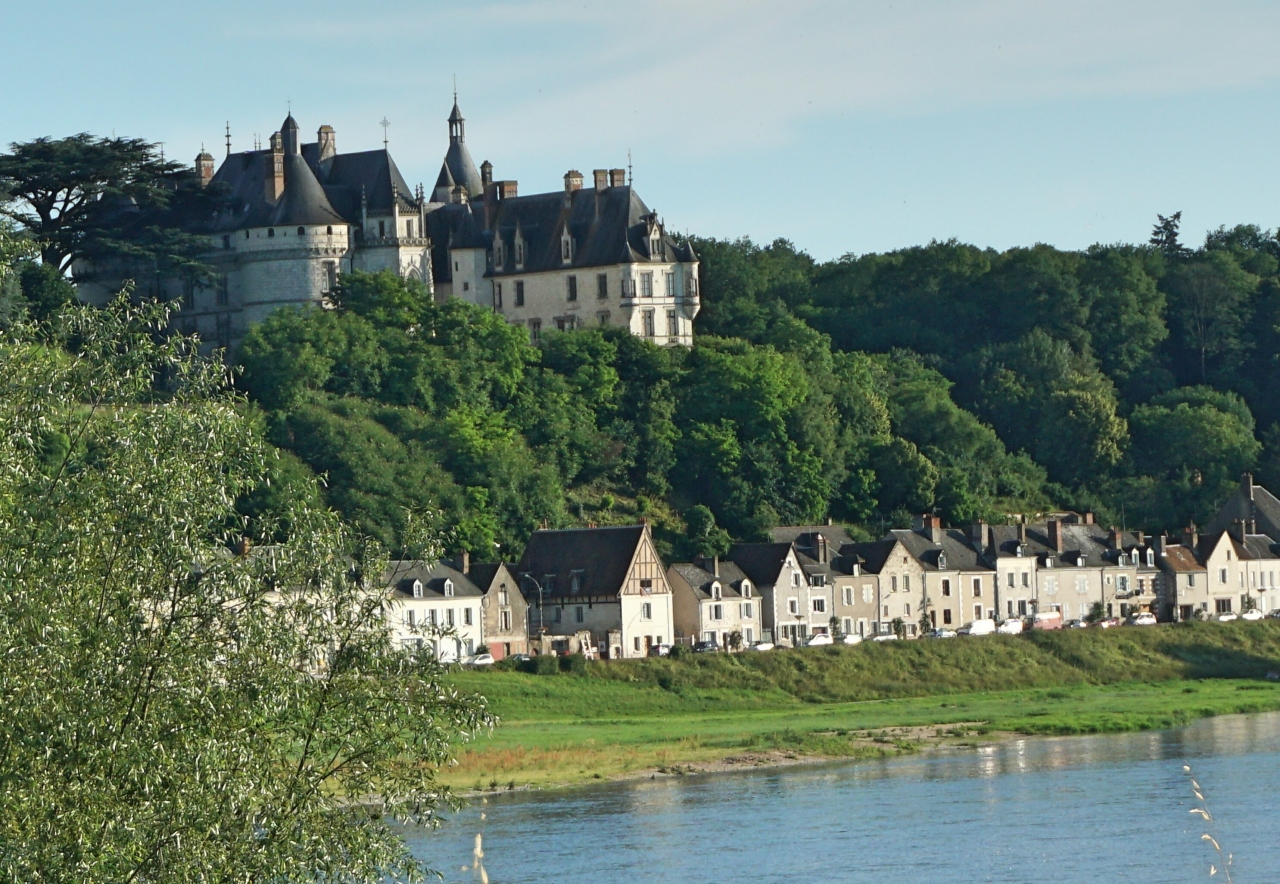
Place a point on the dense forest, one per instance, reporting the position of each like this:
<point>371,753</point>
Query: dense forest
<point>1130,380</point>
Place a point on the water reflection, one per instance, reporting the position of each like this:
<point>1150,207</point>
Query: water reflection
<point>1051,809</point>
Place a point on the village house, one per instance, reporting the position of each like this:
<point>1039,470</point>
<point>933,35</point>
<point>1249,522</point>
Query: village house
<point>433,608</point>
<point>791,608</point>
<point>506,613</point>
<point>854,592</point>
<point>1184,580</point>
<point>714,601</point>
<point>900,580</point>
<point>957,585</point>
<point>608,582</point>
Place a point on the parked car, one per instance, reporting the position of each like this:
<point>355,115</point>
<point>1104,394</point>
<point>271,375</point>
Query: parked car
<point>659,650</point>
<point>942,633</point>
<point>819,638</point>
<point>1227,617</point>
<point>886,637</point>
<point>519,658</point>
<point>706,648</point>
<point>478,660</point>
<point>1275,614</point>
<point>1145,618</point>
<point>1077,624</point>
<point>979,627</point>
<point>1047,620</point>
<point>851,639</point>
<point>1106,622</point>
<point>761,646</point>
<point>1252,614</point>
<point>1010,627</point>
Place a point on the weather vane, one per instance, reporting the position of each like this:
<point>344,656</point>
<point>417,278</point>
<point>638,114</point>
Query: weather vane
<point>384,124</point>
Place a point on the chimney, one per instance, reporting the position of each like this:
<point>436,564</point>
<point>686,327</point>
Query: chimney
<point>823,548</point>
<point>327,140</point>
<point>204,167</point>
<point>273,179</point>
<point>1237,530</point>
<point>980,535</point>
<point>1246,485</point>
<point>1053,528</point>
<point>1191,537</point>
<point>601,177</point>
<point>930,526</point>
<point>572,181</point>
<point>1088,518</point>
<point>1114,540</point>
<point>1022,530</point>
<point>458,195</point>
<point>715,565</point>
<point>1253,526</point>
<point>486,173</point>
<point>617,177</point>
<point>463,561</point>
<point>1161,542</point>
<point>506,190</point>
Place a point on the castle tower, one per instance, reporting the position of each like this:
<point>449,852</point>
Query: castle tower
<point>289,135</point>
<point>458,168</point>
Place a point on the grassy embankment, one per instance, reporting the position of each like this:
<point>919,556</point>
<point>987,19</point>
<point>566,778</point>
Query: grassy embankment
<point>871,700</point>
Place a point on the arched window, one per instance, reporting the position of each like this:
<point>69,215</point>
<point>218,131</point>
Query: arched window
<point>448,589</point>
<point>715,591</point>
<point>302,231</point>
<point>746,589</point>
<point>271,231</point>
<point>417,589</point>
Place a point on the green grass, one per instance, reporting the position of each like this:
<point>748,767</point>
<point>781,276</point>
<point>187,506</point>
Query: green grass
<point>630,716</point>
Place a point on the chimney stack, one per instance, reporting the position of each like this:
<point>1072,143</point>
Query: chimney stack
<point>506,190</point>
<point>823,548</point>
<point>1191,537</point>
<point>1114,539</point>
<point>1237,530</point>
<point>1053,528</point>
<point>601,177</point>
<point>1161,542</point>
<point>458,194</point>
<point>715,565</point>
<point>204,167</point>
<point>327,140</point>
<point>273,180</point>
<point>1088,518</point>
<point>1022,530</point>
<point>1246,485</point>
<point>617,177</point>
<point>486,173</point>
<point>572,181</point>
<point>463,561</point>
<point>930,526</point>
<point>980,535</point>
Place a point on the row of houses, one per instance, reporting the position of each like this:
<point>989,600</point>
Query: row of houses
<point>607,588</point>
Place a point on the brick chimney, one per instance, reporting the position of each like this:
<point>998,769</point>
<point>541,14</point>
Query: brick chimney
<point>204,167</point>
<point>1191,537</point>
<point>1114,538</point>
<point>506,190</point>
<point>1053,528</point>
<point>601,177</point>
<point>327,141</point>
<point>980,534</point>
<point>1246,486</point>
<point>462,560</point>
<point>1088,518</point>
<point>486,173</point>
<point>617,177</point>
<point>930,526</point>
<point>273,177</point>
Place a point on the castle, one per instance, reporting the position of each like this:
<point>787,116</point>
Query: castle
<point>293,217</point>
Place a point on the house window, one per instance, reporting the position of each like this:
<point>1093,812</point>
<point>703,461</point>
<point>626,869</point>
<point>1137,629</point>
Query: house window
<point>302,231</point>
<point>519,292</point>
<point>519,253</point>
<point>646,611</point>
<point>602,317</point>
<point>906,583</point>
<point>382,229</point>
<point>748,635</point>
<point>977,587</point>
<point>946,586</point>
<point>715,591</point>
<point>575,583</point>
<point>271,232</point>
<point>846,625</point>
<point>746,590</point>
<point>1010,579</point>
<point>636,642</point>
<point>466,616</point>
<point>647,317</point>
<point>746,610</point>
<point>535,330</point>
<point>504,621</point>
<point>579,614</point>
<point>555,618</point>
<point>717,612</point>
<point>448,617</point>
<point>566,248</point>
<point>448,589</point>
<point>434,616</point>
<point>497,296</point>
<point>1022,607</point>
<point>573,288</point>
<point>602,285</point>
<point>1191,580</point>
<point>1026,578</point>
<point>1051,585</point>
<point>977,612</point>
<point>866,594</point>
<point>673,324</point>
<point>1223,606</point>
<point>819,606</point>
<point>893,583</point>
<point>1082,585</point>
<point>670,279</point>
<point>1122,583</point>
<point>847,595</point>
<point>793,606</point>
<point>410,617</point>
<point>646,285</point>
<point>946,616</point>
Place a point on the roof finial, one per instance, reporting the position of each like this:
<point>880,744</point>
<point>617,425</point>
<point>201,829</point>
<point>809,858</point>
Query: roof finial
<point>630,179</point>
<point>384,124</point>
<point>455,88</point>
<point>289,104</point>
<point>228,138</point>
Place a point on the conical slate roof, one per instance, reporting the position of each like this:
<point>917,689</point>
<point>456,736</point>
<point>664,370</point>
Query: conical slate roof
<point>463,170</point>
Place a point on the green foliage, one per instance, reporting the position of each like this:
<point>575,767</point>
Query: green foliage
<point>214,714</point>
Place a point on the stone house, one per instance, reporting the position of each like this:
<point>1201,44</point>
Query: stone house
<point>853,593</point>
<point>609,582</point>
<point>792,608</point>
<point>1241,572</point>
<point>506,613</point>
<point>712,600</point>
<point>434,608</point>
<point>1183,586</point>
<point>957,585</point>
<point>900,579</point>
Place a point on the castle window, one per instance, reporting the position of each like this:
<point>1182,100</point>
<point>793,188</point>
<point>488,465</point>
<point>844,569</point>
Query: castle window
<point>329,230</point>
<point>520,293</point>
<point>602,285</point>
<point>566,249</point>
<point>382,229</point>
<point>535,330</point>
<point>466,286</point>
<point>573,288</point>
<point>224,330</point>
<point>302,231</point>
<point>673,324</point>
<point>330,275</point>
<point>519,253</point>
<point>223,292</point>
<point>271,231</point>
<point>670,279</point>
<point>603,317</point>
<point>647,317</point>
<point>408,228</point>
<point>646,285</point>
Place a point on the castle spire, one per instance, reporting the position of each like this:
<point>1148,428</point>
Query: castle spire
<point>457,123</point>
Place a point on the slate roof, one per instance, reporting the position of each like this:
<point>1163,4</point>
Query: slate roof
<point>1181,558</point>
<point>731,577</point>
<point>601,558</point>
<point>372,172</point>
<point>1257,546</point>
<point>954,544</point>
<point>762,562</point>
<point>805,536</point>
<point>1264,508</point>
<point>874,553</point>
<point>401,573</point>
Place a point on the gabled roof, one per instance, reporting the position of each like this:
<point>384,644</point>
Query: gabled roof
<point>1257,504</point>
<point>599,557</point>
<point>371,172</point>
<point>401,573</point>
<point>761,562</point>
<point>1181,558</point>
<point>954,544</point>
<point>700,579</point>
<point>874,553</point>
<point>485,574</point>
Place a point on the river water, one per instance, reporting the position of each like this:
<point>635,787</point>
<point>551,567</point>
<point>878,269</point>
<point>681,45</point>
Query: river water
<point>1097,808</point>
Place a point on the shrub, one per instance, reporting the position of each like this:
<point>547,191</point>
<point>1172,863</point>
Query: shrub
<point>575,664</point>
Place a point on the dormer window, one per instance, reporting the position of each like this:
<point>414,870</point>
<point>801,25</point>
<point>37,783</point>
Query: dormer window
<point>1135,557</point>
<point>942,561</point>
<point>1048,561</point>
<point>1079,561</point>
<point>417,589</point>
<point>715,591</point>
<point>448,589</point>
<point>1018,550</point>
<point>1151,558</point>
<point>746,589</point>
<point>566,248</point>
<point>655,247</point>
<point>575,583</point>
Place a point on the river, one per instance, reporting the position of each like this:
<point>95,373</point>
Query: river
<point>1061,809</point>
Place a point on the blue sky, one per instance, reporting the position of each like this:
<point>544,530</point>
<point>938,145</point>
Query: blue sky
<point>842,126</point>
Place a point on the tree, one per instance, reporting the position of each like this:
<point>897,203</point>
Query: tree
<point>83,197</point>
<point>216,716</point>
<point>1164,236</point>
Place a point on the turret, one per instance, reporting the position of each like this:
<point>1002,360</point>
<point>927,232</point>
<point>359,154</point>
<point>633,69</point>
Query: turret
<point>204,167</point>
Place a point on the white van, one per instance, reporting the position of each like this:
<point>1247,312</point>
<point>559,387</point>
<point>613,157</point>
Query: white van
<point>1010,627</point>
<point>979,627</point>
